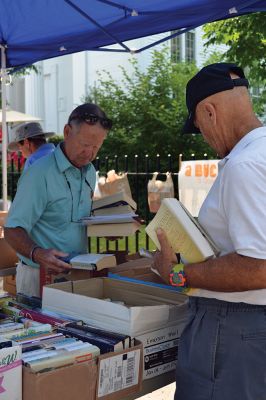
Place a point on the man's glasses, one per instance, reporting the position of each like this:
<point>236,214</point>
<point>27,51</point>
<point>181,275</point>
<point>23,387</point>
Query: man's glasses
<point>72,198</point>
<point>92,119</point>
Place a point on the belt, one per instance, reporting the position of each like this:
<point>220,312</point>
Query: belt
<point>216,305</point>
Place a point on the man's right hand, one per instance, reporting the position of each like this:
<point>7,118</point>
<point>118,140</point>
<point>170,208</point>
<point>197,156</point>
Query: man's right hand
<point>48,259</point>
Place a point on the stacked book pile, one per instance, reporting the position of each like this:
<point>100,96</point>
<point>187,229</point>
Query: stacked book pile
<point>113,216</point>
<point>49,340</point>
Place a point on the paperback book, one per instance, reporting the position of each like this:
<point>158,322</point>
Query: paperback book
<point>106,344</point>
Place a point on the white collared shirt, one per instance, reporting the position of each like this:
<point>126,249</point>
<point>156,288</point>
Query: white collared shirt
<point>234,212</point>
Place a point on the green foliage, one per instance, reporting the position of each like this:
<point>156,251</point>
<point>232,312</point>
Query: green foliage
<point>17,73</point>
<point>245,37</point>
<point>56,139</point>
<point>148,109</point>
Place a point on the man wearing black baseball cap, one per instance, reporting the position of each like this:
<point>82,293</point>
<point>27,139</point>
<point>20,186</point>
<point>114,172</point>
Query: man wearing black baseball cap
<point>221,352</point>
<point>52,196</point>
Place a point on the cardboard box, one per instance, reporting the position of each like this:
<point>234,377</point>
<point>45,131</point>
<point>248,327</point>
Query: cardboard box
<point>160,350</point>
<point>120,374</point>
<point>11,373</point>
<point>9,284</point>
<point>68,383</point>
<point>146,308</point>
<point>77,275</point>
<point>8,256</point>
<point>114,376</point>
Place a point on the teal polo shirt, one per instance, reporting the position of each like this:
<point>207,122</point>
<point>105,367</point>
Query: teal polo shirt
<point>52,196</point>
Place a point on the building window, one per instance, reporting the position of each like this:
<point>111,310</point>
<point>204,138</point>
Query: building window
<point>190,46</point>
<point>176,54</point>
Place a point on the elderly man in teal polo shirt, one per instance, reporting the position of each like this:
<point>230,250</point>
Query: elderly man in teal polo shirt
<point>43,222</point>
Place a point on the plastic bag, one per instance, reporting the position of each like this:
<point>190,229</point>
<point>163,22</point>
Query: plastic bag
<point>158,190</point>
<point>114,183</point>
<point>97,192</point>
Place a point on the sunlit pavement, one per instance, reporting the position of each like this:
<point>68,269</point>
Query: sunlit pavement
<point>165,393</point>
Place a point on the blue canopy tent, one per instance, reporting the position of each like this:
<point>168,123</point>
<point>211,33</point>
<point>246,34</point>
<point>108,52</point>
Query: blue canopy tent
<point>34,30</point>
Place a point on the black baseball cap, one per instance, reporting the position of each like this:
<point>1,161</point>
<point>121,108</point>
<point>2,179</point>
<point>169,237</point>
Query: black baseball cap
<point>90,113</point>
<point>213,78</point>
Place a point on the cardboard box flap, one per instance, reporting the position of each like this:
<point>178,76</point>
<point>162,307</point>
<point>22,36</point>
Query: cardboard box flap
<point>76,306</point>
<point>132,264</point>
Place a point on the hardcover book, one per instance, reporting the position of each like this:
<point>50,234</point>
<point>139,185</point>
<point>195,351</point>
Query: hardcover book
<point>125,339</point>
<point>117,199</point>
<point>120,209</point>
<point>183,232</point>
<point>92,261</point>
<point>113,230</point>
<point>105,344</point>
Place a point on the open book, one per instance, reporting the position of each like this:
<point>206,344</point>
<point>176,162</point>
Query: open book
<point>183,232</point>
<point>91,261</point>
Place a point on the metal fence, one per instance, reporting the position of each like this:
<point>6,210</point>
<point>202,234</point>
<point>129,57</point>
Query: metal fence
<point>139,170</point>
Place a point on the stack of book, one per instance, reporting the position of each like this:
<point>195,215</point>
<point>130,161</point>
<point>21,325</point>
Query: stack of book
<point>49,340</point>
<point>57,351</point>
<point>107,341</point>
<point>113,216</point>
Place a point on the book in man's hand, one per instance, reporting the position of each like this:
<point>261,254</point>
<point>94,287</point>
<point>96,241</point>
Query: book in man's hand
<point>113,201</point>
<point>109,219</point>
<point>120,209</point>
<point>183,232</point>
<point>113,216</point>
<point>90,261</point>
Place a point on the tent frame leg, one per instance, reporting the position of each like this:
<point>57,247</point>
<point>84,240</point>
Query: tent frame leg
<point>4,128</point>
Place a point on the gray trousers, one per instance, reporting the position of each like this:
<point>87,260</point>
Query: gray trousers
<point>222,352</point>
<point>28,280</point>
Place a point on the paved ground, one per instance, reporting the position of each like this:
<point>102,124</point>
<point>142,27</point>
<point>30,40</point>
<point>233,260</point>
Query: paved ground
<point>165,393</point>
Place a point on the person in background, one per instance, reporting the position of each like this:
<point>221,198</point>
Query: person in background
<point>222,350</point>
<point>30,139</point>
<point>52,196</point>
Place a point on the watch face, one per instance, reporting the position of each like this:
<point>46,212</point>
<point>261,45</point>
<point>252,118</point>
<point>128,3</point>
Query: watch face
<point>177,277</point>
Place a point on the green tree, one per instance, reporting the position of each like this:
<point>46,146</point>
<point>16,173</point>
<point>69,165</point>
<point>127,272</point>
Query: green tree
<point>148,109</point>
<point>245,38</point>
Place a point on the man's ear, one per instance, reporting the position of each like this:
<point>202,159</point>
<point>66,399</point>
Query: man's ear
<point>210,112</point>
<point>67,129</point>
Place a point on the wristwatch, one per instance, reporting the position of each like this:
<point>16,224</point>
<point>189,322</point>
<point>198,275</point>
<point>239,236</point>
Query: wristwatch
<point>177,276</point>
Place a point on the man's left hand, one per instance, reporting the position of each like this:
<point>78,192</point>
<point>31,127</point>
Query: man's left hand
<point>164,259</point>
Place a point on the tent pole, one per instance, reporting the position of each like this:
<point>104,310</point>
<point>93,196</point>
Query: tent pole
<point>4,128</point>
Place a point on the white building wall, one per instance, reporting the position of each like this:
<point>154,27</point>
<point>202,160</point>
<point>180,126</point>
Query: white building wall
<point>63,82</point>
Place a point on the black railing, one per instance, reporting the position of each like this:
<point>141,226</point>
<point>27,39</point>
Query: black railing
<point>139,171</point>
